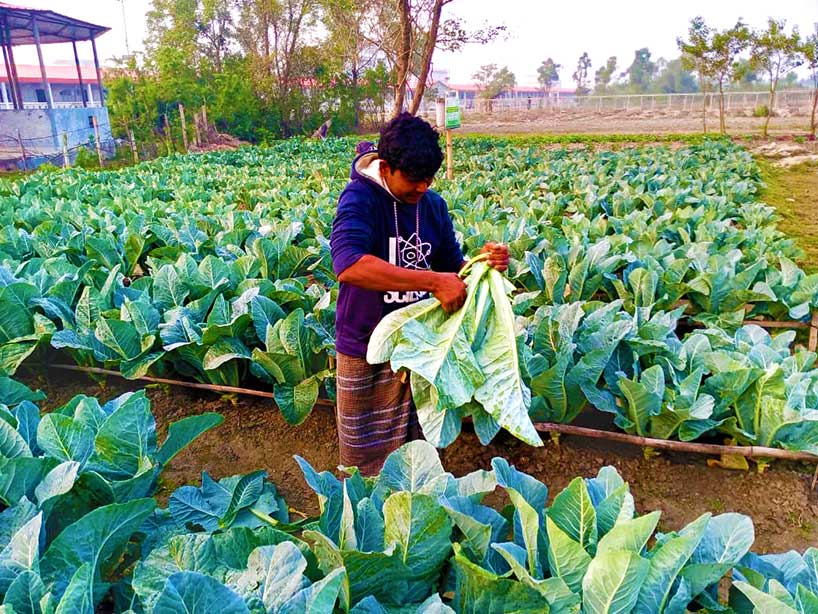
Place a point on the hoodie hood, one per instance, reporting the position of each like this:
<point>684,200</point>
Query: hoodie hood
<point>367,167</point>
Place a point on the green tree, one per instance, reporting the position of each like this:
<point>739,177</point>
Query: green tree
<point>696,57</point>
<point>409,37</point>
<point>641,71</point>
<point>349,24</point>
<point>548,75</point>
<point>580,75</point>
<point>273,37</point>
<point>776,53</point>
<point>674,78</point>
<point>491,81</point>
<point>712,54</point>
<point>745,74</point>
<point>604,74</point>
<point>726,46</point>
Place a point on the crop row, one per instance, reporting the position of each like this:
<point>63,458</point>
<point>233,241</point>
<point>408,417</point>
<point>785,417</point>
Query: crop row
<point>217,268</point>
<point>79,527</point>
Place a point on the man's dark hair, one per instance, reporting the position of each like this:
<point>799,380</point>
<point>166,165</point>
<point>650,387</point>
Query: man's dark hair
<point>411,145</point>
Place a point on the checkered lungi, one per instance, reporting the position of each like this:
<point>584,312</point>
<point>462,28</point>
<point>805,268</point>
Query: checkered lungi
<point>375,414</point>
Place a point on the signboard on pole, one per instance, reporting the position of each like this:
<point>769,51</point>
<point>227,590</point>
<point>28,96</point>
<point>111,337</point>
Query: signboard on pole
<point>452,112</point>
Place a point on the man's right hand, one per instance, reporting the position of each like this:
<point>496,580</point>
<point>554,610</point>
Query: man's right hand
<point>450,290</point>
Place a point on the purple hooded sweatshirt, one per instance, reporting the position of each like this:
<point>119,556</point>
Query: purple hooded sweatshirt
<point>365,224</point>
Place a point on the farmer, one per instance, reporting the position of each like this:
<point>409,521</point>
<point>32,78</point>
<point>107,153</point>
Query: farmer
<point>392,243</point>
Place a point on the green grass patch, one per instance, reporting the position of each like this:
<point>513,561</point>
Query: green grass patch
<point>566,139</point>
<point>793,192</point>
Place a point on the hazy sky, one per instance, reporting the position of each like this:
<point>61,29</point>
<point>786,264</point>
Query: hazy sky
<point>536,29</point>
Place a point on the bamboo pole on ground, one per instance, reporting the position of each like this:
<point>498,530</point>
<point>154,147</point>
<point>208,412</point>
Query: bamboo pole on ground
<point>677,446</point>
<point>172,382</point>
<point>205,125</point>
<point>544,427</point>
<point>65,160</point>
<point>196,133</point>
<point>168,137</point>
<point>132,141</point>
<point>22,150</point>
<point>97,139</point>
<point>449,156</point>
<point>184,126</point>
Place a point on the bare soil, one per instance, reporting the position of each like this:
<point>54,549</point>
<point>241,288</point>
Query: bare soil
<point>255,436</point>
<point>568,121</point>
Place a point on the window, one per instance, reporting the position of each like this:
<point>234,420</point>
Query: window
<point>90,121</point>
<point>41,95</point>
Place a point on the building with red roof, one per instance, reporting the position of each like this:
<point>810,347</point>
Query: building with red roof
<point>44,110</point>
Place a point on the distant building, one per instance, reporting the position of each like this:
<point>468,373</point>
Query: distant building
<point>469,94</point>
<point>63,82</point>
<point>39,106</point>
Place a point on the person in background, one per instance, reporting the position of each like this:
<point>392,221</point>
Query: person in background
<point>393,244</point>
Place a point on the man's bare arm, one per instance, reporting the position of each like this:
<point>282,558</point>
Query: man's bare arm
<point>372,273</point>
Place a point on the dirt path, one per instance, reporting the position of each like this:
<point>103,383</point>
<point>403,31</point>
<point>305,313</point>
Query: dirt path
<point>568,121</point>
<point>254,436</point>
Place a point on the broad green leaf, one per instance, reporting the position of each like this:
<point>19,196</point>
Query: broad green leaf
<point>573,512</point>
<point>98,539</point>
<point>666,561</point>
<point>764,603</point>
<point>567,559</point>
<point>414,467</point>
<point>79,594</point>
<point>478,591</point>
<point>419,530</point>
<point>57,482</point>
<point>64,438</point>
<point>195,593</point>
<point>183,432</point>
<point>12,444</point>
<point>127,439</point>
<point>631,535</point>
<point>613,582</point>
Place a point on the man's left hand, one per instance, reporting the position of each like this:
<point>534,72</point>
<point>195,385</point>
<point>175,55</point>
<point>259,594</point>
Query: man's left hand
<point>498,255</point>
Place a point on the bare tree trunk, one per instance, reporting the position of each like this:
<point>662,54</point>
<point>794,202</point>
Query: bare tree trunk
<point>356,102</point>
<point>404,56</point>
<point>426,57</point>
<point>770,106</point>
<point>704,106</point>
<point>722,123</point>
<point>812,125</point>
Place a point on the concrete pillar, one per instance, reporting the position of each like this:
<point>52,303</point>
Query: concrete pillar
<point>99,72</point>
<point>79,74</point>
<point>16,93</point>
<point>49,98</point>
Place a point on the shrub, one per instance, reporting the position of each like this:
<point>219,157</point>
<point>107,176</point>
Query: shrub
<point>761,110</point>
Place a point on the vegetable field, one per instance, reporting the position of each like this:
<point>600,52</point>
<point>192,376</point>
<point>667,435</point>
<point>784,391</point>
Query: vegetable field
<point>634,274</point>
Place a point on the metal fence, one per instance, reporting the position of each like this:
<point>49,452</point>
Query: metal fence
<point>796,102</point>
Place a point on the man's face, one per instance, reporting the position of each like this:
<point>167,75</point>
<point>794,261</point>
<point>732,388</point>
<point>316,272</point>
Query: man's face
<point>406,189</point>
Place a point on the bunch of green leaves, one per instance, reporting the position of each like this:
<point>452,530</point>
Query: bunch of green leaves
<point>461,364</point>
<point>74,492</point>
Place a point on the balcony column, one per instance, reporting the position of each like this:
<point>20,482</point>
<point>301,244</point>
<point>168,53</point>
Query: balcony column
<point>16,93</point>
<point>99,72</point>
<point>49,98</point>
<point>79,74</point>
